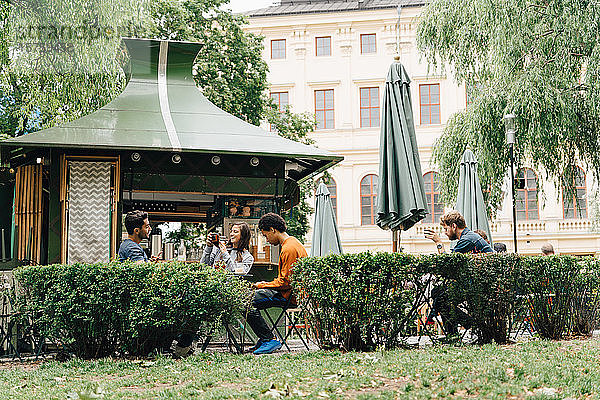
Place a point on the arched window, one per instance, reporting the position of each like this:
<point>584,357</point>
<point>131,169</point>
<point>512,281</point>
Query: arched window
<point>527,195</point>
<point>332,186</point>
<point>368,199</point>
<point>432,193</point>
<point>575,205</point>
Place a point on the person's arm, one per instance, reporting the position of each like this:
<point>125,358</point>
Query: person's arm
<point>282,282</point>
<point>136,254</point>
<point>487,248</point>
<point>208,255</point>
<point>431,235</point>
<point>239,267</point>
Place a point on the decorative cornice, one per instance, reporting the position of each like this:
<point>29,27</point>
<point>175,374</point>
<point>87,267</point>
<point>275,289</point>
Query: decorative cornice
<point>324,83</point>
<point>369,81</point>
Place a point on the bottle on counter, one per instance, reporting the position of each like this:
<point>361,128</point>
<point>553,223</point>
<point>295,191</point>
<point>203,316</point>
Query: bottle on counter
<point>181,252</point>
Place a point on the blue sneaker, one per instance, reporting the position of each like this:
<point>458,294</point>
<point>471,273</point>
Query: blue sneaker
<point>268,347</point>
<point>258,343</point>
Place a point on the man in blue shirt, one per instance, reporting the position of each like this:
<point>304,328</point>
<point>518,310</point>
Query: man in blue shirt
<point>138,228</point>
<point>455,228</point>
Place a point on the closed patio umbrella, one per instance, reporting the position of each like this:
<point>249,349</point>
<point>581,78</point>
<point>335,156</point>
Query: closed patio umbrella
<point>326,238</point>
<point>401,200</point>
<point>469,201</point>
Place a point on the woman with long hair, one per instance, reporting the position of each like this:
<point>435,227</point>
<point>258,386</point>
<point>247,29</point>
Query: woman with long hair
<point>238,260</point>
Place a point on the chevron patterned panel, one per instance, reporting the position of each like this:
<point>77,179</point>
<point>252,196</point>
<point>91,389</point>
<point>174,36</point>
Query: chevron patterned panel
<point>89,212</point>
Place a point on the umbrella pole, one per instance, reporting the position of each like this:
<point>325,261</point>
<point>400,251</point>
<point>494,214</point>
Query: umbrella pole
<point>398,242</point>
<point>394,241</point>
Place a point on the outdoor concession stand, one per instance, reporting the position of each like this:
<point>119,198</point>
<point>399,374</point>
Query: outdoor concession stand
<point>160,146</point>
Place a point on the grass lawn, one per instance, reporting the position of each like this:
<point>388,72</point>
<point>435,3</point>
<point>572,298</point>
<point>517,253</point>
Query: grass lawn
<point>537,370</point>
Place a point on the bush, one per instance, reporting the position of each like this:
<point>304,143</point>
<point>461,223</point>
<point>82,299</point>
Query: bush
<point>585,315</point>
<point>548,285</point>
<point>361,301</point>
<point>99,309</point>
<point>485,286</point>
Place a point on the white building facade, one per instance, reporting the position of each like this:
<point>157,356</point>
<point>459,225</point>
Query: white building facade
<point>331,58</point>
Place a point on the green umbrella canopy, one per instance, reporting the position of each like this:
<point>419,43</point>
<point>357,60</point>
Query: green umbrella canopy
<point>469,201</point>
<point>162,109</point>
<point>401,200</point>
<point>326,238</point>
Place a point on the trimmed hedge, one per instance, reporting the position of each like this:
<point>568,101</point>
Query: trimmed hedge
<point>585,307</point>
<point>357,301</point>
<point>549,289</point>
<point>101,309</point>
<point>487,287</point>
<point>362,301</point>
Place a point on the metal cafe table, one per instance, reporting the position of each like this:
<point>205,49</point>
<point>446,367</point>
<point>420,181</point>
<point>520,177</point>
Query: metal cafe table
<point>237,332</point>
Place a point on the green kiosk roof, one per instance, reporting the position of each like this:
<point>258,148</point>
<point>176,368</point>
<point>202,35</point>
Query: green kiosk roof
<point>162,109</point>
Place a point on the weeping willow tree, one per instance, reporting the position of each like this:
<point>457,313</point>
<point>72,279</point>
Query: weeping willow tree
<point>537,59</point>
<point>61,59</point>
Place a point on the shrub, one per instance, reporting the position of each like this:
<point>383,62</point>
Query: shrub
<point>549,285</point>
<point>99,309</point>
<point>361,301</point>
<point>585,315</point>
<point>486,287</point>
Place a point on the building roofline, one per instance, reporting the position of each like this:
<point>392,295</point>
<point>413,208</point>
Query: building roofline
<point>319,7</point>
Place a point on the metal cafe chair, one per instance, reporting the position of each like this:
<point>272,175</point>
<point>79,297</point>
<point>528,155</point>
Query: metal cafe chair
<point>7,327</point>
<point>291,313</point>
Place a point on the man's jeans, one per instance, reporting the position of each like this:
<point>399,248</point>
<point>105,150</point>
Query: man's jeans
<point>451,314</point>
<point>263,299</point>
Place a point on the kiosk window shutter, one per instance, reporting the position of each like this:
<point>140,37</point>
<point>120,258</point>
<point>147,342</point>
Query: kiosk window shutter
<point>89,212</point>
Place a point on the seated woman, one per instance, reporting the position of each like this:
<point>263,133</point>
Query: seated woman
<point>238,260</point>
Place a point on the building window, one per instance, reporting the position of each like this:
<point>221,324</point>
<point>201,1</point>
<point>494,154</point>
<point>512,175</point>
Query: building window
<point>430,103</point>
<point>432,193</point>
<point>278,49</point>
<point>281,99</point>
<point>527,195</point>
<point>332,186</point>
<point>324,108</point>
<point>368,199</point>
<point>323,46</point>
<point>369,107</point>
<point>575,205</point>
<point>368,43</point>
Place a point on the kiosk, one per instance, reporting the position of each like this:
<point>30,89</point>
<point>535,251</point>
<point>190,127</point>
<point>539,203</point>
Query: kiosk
<point>161,147</point>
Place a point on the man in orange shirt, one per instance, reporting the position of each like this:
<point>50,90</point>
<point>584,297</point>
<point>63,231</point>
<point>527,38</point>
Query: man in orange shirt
<point>277,292</point>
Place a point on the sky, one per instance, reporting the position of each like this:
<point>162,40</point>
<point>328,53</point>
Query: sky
<point>246,5</point>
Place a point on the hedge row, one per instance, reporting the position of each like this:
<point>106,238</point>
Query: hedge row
<point>354,302</point>
<point>362,301</point>
<point>102,309</point>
